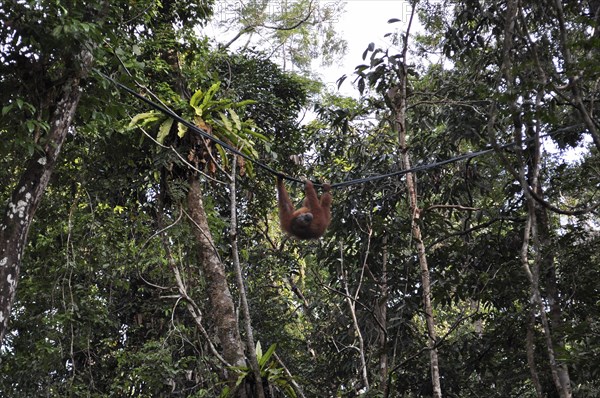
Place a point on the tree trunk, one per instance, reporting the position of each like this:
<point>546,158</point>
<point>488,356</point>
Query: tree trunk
<point>536,236</point>
<point>530,345</point>
<point>222,308</point>
<point>544,263</point>
<point>351,300</point>
<point>398,98</point>
<point>548,268</point>
<point>381,316</point>
<point>425,277</point>
<point>251,344</point>
<point>28,193</point>
<point>532,270</point>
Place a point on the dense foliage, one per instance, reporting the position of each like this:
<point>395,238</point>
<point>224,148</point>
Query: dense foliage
<point>131,281</point>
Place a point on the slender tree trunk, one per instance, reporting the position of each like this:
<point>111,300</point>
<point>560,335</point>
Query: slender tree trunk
<point>250,343</point>
<point>222,308</point>
<point>536,236</point>
<point>532,270</point>
<point>548,268</point>
<point>351,300</point>
<point>398,99</point>
<point>544,262</point>
<point>425,277</point>
<point>28,193</point>
<point>530,344</point>
<point>381,315</point>
<point>193,308</point>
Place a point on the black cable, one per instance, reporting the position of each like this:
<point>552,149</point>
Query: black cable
<point>271,170</point>
<point>412,169</point>
<point>444,162</point>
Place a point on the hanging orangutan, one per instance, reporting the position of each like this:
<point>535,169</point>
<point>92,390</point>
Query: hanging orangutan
<point>312,219</point>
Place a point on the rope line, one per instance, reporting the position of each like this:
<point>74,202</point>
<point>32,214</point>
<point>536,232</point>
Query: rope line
<point>465,156</point>
<point>416,168</point>
<point>203,133</point>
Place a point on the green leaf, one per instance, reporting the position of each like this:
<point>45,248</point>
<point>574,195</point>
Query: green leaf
<point>258,350</point>
<point>236,119</point>
<point>143,119</point>
<point>195,100</point>
<point>181,130</point>
<point>30,124</point>
<point>210,94</point>
<point>6,109</point>
<point>57,31</point>
<point>223,155</point>
<point>226,122</point>
<point>265,358</point>
<point>245,102</point>
<point>164,129</point>
<point>256,134</point>
<point>370,47</point>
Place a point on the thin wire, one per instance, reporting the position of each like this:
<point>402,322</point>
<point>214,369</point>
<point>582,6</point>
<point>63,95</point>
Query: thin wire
<point>412,169</point>
<point>271,170</point>
<point>447,161</point>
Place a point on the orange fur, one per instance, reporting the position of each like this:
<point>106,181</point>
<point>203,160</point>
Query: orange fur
<point>312,219</point>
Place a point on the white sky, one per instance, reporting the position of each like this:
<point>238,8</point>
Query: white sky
<point>363,22</point>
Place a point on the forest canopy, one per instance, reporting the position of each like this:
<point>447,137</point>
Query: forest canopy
<point>139,258</point>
